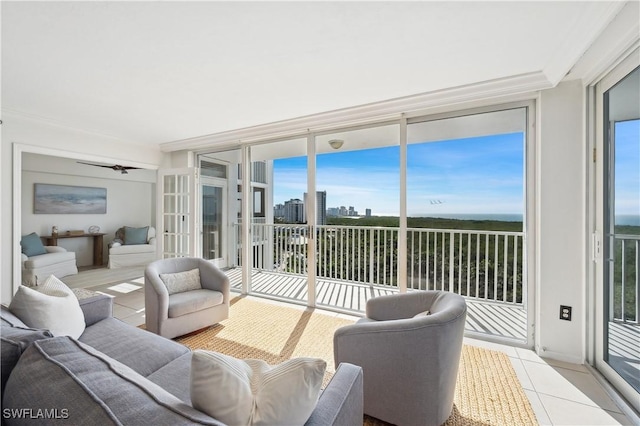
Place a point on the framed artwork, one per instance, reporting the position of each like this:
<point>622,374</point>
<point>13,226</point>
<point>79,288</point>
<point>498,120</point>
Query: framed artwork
<point>67,199</point>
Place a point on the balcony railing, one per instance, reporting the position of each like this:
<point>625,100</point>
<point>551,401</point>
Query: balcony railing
<point>481,265</point>
<point>625,279</point>
<point>484,265</point>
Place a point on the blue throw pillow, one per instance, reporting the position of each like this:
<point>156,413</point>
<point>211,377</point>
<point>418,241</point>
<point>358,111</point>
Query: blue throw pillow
<point>135,235</point>
<point>32,245</point>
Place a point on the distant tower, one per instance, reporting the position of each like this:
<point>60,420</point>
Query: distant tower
<point>294,211</point>
<point>367,212</point>
<point>321,207</point>
<point>278,210</point>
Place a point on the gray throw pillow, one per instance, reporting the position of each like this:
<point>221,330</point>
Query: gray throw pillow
<point>32,245</point>
<point>133,236</point>
<point>182,281</point>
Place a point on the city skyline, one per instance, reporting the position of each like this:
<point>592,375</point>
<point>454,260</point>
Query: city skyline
<point>481,175</point>
<point>330,210</point>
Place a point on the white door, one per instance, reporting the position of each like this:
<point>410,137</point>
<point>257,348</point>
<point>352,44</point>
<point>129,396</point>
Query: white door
<point>177,221</point>
<point>214,224</point>
<point>617,296</point>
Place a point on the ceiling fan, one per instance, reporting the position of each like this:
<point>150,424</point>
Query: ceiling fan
<point>115,167</point>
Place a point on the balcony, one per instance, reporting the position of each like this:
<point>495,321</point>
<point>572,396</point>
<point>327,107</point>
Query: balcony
<point>356,263</point>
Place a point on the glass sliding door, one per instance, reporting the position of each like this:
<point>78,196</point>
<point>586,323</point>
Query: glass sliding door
<point>280,233</point>
<point>357,215</point>
<point>618,338</point>
<point>219,212</point>
<point>213,229</point>
<point>466,209</point>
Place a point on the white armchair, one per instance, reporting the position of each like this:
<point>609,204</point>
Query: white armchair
<point>132,247</point>
<point>56,261</point>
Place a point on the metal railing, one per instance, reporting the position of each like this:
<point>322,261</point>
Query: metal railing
<point>360,254</point>
<point>483,265</point>
<point>624,279</point>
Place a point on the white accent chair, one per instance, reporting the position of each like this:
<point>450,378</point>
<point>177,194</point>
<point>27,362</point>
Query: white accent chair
<point>57,261</point>
<point>122,255</point>
<point>172,315</point>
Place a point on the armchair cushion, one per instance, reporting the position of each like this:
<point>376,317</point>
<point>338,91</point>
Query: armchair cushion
<point>193,301</point>
<point>32,245</point>
<point>182,281</point>
<point>134,236</point>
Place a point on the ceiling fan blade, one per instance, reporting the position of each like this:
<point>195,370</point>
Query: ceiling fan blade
<point>115,167</point>
<point>95,165</point>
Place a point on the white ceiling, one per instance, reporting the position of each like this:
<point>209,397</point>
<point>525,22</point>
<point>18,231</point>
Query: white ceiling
<point>155,72</point>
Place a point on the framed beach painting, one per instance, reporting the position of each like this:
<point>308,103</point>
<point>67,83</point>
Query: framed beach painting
<point>67,199</point>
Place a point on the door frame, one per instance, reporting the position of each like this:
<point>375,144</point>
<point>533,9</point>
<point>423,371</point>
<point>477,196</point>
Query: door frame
<point>597,328</point>
<point>222,260</point>
<point>191,212</point>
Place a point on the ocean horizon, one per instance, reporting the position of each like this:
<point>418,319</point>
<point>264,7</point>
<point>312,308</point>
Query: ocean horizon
<point>628,219</point>
<point>625,219</point>
<point>502,217</point>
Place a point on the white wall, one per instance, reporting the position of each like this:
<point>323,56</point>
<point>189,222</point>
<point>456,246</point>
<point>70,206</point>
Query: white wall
<point>65,142</point>
<point>129,202</point>
<point>561,206</point>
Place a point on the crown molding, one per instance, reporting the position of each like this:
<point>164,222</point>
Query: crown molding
<point>588,28</point>
<point>377,112</point>
<point>12,113</point>
<point>620,38</point>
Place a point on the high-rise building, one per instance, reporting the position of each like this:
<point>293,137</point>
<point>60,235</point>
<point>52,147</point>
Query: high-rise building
<point>278,210</point>
<point>352,211</point>
<point>333,211</point>
<point>294,211</point>
<point>367,212</point>
<point>321,207</point>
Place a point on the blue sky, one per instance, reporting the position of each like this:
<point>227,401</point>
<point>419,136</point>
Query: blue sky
<point>627,168</point>
<point>482,175</point>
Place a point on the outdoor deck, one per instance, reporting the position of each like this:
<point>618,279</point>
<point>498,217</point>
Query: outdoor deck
<point>487,318</point>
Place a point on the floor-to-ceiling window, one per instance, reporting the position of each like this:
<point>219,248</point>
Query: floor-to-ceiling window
<point>466,199</point>
<point>280,237</point>
<point>618,218</point>
<point>358,187</point>
<point>346,215</point>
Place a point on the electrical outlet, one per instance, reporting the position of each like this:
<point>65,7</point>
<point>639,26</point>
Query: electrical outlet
<point>565,313</point>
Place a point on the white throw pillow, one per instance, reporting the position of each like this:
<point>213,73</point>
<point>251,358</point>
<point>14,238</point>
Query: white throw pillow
<point>52,306</point>
<point>252,392</point>
<point>182,281</point>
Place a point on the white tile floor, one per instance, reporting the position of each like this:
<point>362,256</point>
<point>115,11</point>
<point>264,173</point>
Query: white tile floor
<point>560,393</point>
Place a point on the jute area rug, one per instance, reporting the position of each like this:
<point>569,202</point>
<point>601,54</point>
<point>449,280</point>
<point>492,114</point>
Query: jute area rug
<point>487,392</point>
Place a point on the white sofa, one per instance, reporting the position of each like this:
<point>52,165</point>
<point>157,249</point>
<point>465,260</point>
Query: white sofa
<point>57,261</point>
<point>122,254</point>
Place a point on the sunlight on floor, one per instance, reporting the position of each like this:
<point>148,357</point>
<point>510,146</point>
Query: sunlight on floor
<point>125,288</point>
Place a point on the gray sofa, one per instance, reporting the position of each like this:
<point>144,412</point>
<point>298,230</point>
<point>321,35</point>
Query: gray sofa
<point>119,374</point>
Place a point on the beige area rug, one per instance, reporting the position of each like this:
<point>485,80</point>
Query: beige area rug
<point>487,393</point>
